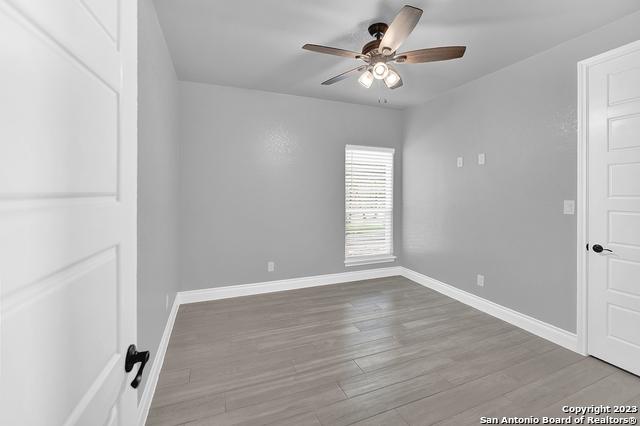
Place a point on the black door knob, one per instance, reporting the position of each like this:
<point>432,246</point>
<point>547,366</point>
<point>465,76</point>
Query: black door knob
<point>599,249</point>
<point>134,357</point>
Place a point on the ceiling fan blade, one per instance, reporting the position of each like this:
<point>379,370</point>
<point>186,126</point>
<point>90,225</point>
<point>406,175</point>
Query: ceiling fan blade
<point>332,51</point>
<point>399,30</point>
<point>430,55</point>
<point>344,75</point>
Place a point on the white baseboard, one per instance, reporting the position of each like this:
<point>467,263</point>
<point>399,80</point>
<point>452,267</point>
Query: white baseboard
<point>283,285</point>
<point>539,328</point>
<point>154,373</point>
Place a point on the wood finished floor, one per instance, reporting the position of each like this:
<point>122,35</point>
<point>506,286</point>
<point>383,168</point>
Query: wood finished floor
<point>376,352</point>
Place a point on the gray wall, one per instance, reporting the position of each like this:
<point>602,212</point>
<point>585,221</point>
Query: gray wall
<point>262,178</point>
<point>503,220</point>
<point>157,181</point>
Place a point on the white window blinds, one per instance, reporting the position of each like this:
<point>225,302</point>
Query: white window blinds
<point>368,205</point>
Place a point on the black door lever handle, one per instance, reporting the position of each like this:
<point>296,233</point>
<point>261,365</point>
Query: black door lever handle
<point>134,357</point>
<point>599,249</point>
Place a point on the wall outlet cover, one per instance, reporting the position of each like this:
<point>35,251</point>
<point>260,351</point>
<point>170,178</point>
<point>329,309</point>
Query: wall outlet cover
<point>480,280</point>
<point>271,266</point>
<point>569,207</point>
<point>481,159</point>
<point>460,162</point>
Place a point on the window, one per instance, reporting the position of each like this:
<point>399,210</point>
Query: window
<point>368,205</point>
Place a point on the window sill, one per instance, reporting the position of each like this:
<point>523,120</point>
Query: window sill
<point>369,260</point>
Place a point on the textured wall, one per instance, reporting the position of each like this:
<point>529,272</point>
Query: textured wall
<point>504,220</point>
<point>262,178</point>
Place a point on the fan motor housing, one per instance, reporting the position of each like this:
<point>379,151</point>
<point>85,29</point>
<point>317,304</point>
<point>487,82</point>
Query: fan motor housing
<point>377,30</point>
<point>372,45</point>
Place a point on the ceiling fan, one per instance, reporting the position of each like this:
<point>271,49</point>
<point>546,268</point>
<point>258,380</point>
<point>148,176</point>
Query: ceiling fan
<point>379,54</point>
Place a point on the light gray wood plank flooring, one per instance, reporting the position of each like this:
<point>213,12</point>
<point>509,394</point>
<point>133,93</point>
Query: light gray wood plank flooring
<point>376,352</point>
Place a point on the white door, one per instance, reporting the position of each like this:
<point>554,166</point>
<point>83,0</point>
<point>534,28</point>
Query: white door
<point>67,211</point>
<point>614,208</point>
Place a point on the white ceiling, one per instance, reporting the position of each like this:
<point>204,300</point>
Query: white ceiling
<point>257,44</point>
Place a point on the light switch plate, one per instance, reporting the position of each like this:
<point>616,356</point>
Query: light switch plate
<point>569,207</point>
<point>460,162</point>
<point>481,159</point>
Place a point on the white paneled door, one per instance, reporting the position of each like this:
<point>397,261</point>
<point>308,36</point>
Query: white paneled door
<point>614,208</point>
<point>67,211</point>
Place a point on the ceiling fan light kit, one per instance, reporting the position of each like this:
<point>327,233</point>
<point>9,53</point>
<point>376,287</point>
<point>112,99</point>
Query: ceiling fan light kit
<point>380,70</point>
<point>392,80</point>
<point>366,79</point>
<point>379,53</point>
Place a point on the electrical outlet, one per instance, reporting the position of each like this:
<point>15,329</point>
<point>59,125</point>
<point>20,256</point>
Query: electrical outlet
<point>460,162</point>
<point>480,280</point>
<point>569,207</point>
<point>166,302</point>
<point>271,266</point>
<point>481,159</point>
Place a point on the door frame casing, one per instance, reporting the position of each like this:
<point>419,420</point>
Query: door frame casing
<point>582,200</point>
